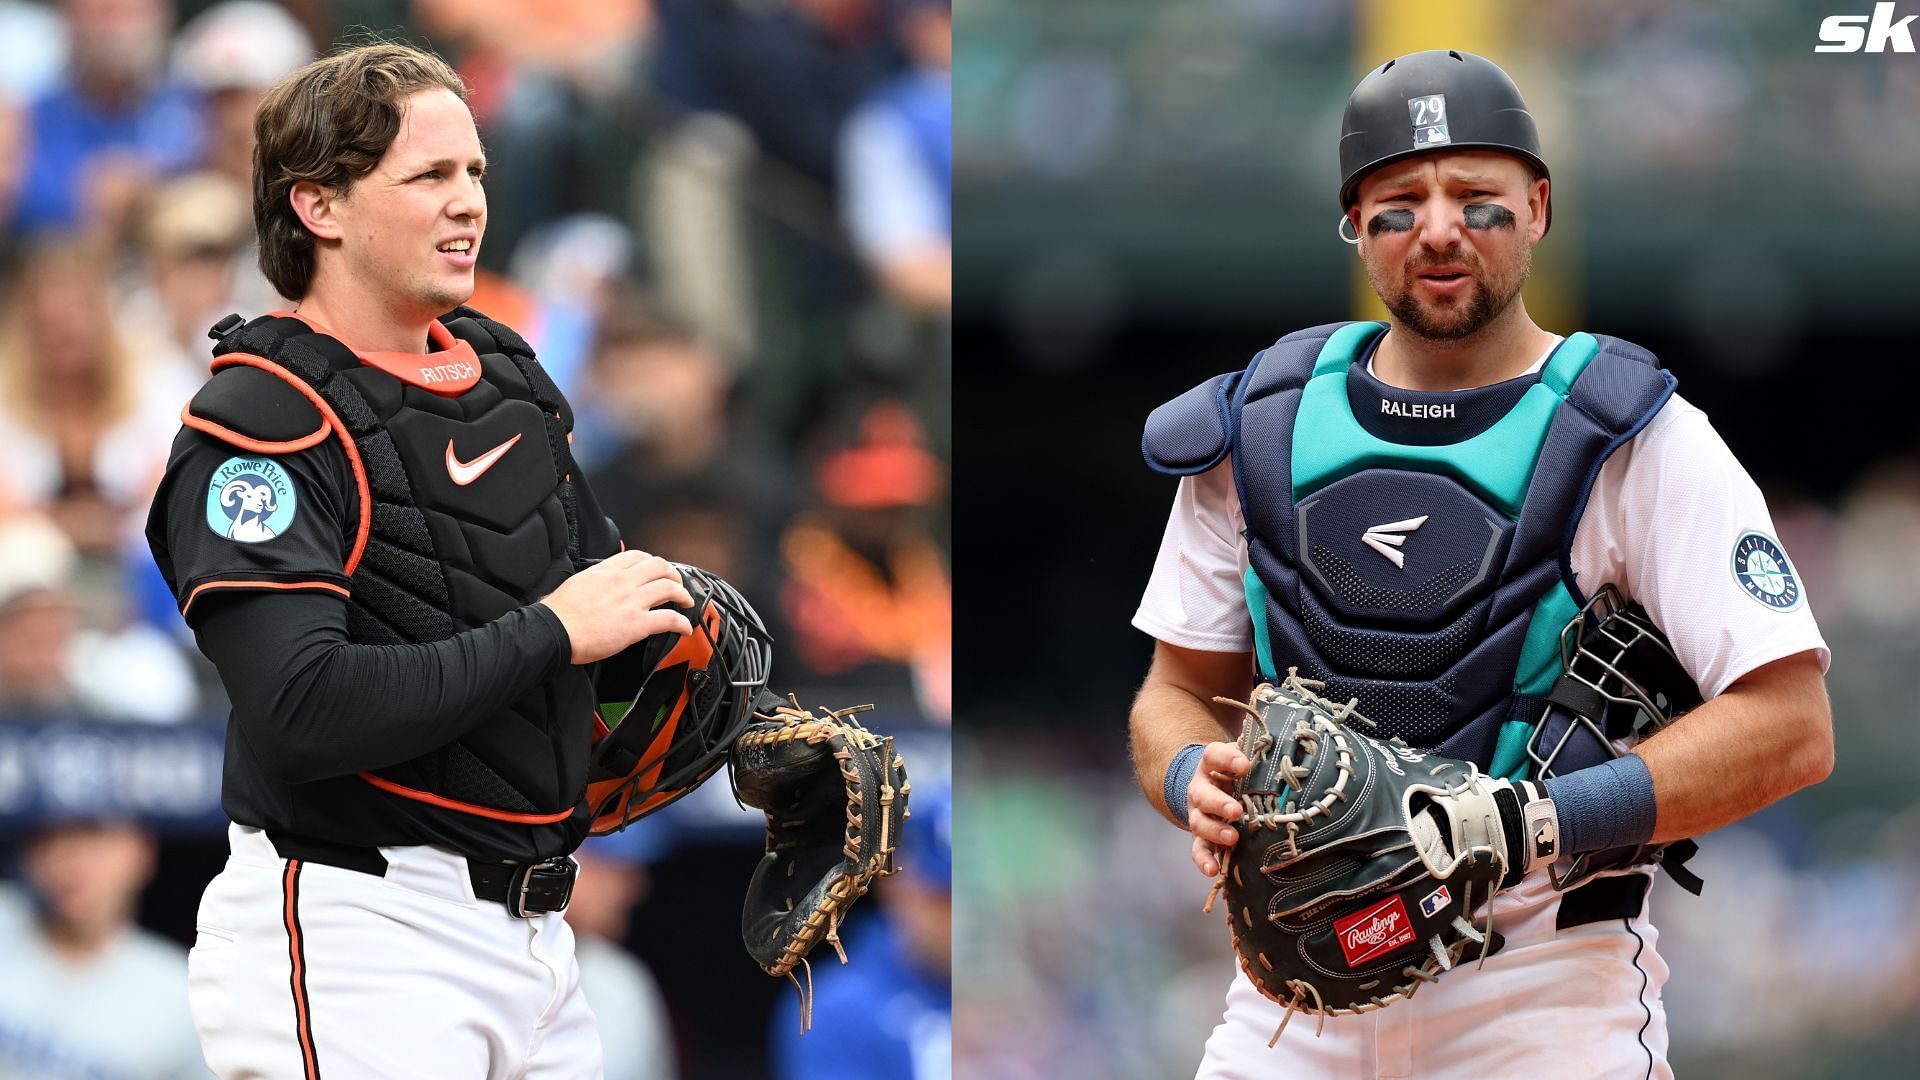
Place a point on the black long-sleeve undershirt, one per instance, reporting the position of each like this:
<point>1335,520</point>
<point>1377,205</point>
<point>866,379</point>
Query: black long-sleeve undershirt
<point>313,705</point>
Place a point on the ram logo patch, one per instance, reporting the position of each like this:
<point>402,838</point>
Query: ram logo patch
<point>250,500</point>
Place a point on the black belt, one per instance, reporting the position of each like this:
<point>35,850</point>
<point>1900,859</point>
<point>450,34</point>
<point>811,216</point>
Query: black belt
<point>1620,897</point>
<point>527,889</point>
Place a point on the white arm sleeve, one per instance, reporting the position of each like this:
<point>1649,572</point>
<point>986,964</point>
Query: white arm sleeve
<point>1196,597</point>
<point>1663,523</point>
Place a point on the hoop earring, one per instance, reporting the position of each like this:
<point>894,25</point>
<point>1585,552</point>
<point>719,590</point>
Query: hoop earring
<point>1340,230</point>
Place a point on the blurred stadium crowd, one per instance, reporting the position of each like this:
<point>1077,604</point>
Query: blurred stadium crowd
<point>1148,193</point>
<point>724,226</point>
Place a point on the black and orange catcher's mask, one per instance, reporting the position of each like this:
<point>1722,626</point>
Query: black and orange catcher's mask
<point>671,706</point>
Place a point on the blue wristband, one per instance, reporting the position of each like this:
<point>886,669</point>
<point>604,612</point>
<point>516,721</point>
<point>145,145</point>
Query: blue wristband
<point>1603,807</point>
<point>1179,775</point>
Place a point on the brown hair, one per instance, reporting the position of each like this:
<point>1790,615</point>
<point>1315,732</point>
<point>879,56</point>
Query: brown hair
<point>330,122</point>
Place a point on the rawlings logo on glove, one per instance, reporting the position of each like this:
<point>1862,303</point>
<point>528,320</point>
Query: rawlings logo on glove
<point>1374,931</point>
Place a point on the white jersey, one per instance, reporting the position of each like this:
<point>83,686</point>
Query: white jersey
<point>1673,521</point>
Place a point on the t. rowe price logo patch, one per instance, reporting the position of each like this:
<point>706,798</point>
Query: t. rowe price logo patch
<point>1376,931</point>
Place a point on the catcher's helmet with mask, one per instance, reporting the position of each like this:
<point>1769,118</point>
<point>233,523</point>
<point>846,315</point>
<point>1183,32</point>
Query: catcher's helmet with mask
<point>1621,682</point>
<point>672,706</point>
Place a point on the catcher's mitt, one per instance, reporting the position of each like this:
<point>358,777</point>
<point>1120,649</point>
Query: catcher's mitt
<point>836,799</point>
<point>1360,861</point>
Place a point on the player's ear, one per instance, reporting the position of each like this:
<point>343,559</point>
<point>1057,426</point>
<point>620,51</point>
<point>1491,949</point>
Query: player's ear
<point>315,205</point>
<point>1538,192</point>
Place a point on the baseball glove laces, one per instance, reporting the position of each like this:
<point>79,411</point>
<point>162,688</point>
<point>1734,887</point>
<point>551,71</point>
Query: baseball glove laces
<point>835,797</point>
<point>1361,861</point>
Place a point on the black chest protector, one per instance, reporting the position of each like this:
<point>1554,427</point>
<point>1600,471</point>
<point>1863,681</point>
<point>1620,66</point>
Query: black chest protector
<point>1410,549</point>
<point>465,511</point>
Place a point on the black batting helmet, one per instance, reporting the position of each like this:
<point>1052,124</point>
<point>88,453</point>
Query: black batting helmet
<point>1433,102</point>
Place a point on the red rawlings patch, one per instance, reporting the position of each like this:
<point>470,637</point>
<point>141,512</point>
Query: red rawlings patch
<point>1374,932</point>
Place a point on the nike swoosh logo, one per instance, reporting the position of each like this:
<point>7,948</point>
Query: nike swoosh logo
<point>466,472</point>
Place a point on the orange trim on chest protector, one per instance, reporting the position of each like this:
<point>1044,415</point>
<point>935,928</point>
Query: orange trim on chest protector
<point>445,803</point>
<point>450,371</point>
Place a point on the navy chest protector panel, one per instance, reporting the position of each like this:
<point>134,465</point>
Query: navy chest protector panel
<point>1429,581</point>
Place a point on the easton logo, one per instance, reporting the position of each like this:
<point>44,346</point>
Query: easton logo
<point>1386,539</point>
<point>1876,33</point>
<point>1374,932</point>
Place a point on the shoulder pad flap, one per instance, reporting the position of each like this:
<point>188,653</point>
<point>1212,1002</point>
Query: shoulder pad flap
<point>255,410</point>
<point>1622,386</point>
<point>1191,433</point>
<point>1626,349</point>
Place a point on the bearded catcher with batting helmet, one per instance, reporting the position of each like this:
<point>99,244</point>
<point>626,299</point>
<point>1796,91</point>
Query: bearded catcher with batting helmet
<point>1521,625</point>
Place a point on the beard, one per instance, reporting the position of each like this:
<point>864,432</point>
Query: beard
<point>1486,301</point>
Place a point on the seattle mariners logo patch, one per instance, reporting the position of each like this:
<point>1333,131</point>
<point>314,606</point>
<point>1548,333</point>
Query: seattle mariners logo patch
<point>250,500</point>
<point>1762,569</point>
